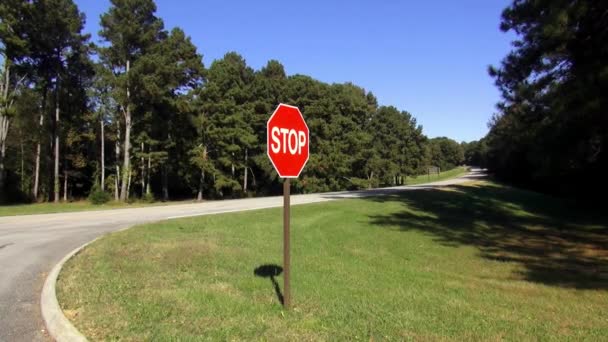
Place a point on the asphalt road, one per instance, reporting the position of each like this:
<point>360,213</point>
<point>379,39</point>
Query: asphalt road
<point>31,245</point>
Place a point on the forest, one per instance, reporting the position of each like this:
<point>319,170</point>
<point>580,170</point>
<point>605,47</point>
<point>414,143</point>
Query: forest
<point>138,115</point>
<point>550,131</point>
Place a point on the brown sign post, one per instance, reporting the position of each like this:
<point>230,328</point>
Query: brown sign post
<point>288,149</point>
<point>286,235</point>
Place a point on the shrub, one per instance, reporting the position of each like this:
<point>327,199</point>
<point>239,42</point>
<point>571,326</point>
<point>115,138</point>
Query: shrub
<point>362,183</point>
<point>148,198</point>
<point>98,196</point>
<point>12,192</point>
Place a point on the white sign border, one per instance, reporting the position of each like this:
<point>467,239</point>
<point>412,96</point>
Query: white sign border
<point>268,140</point>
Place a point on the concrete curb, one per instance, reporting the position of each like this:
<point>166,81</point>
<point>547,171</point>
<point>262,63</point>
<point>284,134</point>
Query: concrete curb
<point>57,325</point>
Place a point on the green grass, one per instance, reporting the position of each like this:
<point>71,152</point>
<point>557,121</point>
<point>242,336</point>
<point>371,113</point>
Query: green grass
<point>453,173</point>
<point>49,208</point>
<point>469,262</point>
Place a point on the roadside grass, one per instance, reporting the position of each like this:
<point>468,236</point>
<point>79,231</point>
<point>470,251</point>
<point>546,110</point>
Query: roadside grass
<point>49,207</point>
<point>479,261</point>
<point>453,173</point>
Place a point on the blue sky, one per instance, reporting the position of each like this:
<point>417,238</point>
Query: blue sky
<point>427,57</point>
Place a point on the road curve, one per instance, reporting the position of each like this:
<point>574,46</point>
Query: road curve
<point>31,245</point>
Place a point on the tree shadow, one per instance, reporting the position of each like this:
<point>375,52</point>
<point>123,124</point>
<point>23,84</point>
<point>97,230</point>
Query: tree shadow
<point>271,271</point>
<point>557,242</point>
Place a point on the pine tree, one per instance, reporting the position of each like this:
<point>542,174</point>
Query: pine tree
<point>13,49</point>
<point>551,128</point>
<point>54,37</point>
<point>132,31</point>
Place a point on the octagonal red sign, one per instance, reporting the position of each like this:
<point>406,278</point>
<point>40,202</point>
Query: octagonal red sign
<point>287,138</point>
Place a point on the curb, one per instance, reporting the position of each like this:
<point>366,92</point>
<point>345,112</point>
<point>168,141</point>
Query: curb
<point>57,325</point>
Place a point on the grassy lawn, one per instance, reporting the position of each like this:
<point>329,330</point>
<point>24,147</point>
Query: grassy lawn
<point>456,172</point>
<point>470,262</point>
<point>49,208</point>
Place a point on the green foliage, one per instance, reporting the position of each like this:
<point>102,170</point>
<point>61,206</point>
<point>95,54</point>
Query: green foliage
<point>148,198</point>
<point>192,130</point>
<point>445,153</point>
<point>98,196</point>
<point>12,193</point>
<point>363,183</point>
<point>550,131</point>
<point>15,18</point>
<point>475,153</point>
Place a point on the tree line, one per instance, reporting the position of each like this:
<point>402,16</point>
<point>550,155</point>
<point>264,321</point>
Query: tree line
<point>551,129</point>
<point>139,115</point>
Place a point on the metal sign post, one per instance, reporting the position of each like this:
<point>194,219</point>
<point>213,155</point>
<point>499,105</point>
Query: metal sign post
<point>287,141</point>
<point>286,261</point>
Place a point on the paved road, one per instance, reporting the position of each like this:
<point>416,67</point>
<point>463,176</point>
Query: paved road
<point>31,245</point>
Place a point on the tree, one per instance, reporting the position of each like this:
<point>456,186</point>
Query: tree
<point>445,153</point>
<point>151,112</point>
<point>56,42</point>
<point>104,106</point>
<point>227,95</point>
<point>79,121</point>
<point>199,154</point>
<point>551,129</point>
<point>475,152</point>
<point>13,47</point>
<point>177,72</point>
<point>132,31</point>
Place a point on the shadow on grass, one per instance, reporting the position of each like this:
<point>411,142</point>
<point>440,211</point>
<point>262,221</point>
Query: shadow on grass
<point>557,242</point>
<point>271,271</point>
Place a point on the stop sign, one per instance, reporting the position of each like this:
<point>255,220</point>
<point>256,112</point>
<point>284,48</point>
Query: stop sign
<point>287,139</point>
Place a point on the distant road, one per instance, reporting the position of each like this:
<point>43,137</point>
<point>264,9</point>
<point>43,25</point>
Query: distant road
<point>31,245</point>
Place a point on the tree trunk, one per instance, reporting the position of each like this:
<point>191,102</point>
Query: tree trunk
<point>117,184</point>
<point>129,185</point>
<point>56,170</point>
<point>245,176</point>
<point>103,157</point>
<point>4,123</point>
<point>65,185</point>
<point>126,168</point>
<point>369,179</point>
<point>148,188</point>
<point>117,152</point>
<point>165,177</point>
<point>48,189</point>
<point>252,177</point>
<point>143,170</point>
<point>201,183</point>
<point>22,173</point>
<point>37,167</point>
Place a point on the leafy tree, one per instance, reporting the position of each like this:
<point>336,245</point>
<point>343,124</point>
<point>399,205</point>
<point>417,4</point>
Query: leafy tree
<point>445,153</point>
<point>20,144</point>
<point>58,53</point>
<point>170,124</point>
<point>475,152</point>
<point>179,71</point>
<point>132,31</point>
<point>551,131</point>
<point>227,101</point>
<point>13,48</point>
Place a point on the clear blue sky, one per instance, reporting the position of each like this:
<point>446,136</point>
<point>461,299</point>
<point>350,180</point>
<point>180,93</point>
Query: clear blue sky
<point>427,57</point>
